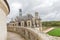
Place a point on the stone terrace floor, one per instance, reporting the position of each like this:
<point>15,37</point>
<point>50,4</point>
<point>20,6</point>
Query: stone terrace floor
<point>14,36</point>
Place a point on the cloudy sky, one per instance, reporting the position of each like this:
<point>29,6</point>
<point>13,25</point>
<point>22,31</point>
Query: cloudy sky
<point>49,10</point>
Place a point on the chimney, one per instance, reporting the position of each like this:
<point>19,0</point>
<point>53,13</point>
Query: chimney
<point>36,14</point>
<point>20,12</point>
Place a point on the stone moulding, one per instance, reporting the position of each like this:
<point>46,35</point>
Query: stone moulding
<point>4,5</point>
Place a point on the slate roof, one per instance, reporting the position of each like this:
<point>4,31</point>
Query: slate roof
<point>25,18</point>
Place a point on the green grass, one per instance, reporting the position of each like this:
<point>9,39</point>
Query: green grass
<point>55,32</point>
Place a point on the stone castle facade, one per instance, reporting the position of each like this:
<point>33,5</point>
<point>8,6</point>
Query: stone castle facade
<point>26,21</point>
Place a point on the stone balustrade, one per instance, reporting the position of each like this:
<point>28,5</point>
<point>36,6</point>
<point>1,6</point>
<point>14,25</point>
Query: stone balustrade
<point>28,33</point>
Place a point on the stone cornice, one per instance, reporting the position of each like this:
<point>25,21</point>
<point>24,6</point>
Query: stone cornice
<point>4,6</point>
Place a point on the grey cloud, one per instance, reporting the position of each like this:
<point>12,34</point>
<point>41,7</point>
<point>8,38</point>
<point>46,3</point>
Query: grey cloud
<point>28,6</point>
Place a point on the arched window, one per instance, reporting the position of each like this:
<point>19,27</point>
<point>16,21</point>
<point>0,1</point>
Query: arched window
<point>25,24</point>
<point>29,23</point>
<point>22,23</point>
<point>13,24</point>
<point>19,24</point>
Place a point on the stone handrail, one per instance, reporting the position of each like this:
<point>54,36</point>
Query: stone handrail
<point>28,33</point>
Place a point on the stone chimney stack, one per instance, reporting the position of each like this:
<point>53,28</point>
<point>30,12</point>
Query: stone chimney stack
<point>36,14</point>
<point>20,12</point>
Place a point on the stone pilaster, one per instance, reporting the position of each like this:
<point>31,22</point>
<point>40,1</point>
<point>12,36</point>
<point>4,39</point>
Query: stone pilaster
<point>40,26</point>
<point>34,22</point>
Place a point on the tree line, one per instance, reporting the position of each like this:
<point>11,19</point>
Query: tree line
<point>51,23</point>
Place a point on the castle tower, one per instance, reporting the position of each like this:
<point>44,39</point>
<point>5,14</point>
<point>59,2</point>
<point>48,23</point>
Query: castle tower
<point>20,12</point>
<point>36,14</point>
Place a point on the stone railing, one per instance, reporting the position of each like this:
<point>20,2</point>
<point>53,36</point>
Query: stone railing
<point>28,33</point>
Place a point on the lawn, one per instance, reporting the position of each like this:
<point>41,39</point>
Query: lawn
<point>55,32</point>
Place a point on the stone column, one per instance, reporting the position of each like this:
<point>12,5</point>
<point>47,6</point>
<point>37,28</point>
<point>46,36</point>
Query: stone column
<point>22,23</point>
<point>27,24</point>
<point>34,22</point>
<point>3,28</point>
<point>40,26</point>
<point>30,23</point>
<point>38,21</point>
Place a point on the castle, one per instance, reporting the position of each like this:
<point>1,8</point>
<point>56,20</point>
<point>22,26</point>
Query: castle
<point>26,21</point>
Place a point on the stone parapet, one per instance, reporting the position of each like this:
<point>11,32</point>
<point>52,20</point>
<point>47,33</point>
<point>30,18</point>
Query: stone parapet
<point>29,33</point>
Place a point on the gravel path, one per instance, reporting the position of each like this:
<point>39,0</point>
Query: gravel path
<point>45,31</point>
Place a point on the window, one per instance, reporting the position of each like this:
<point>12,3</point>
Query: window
<point>22,23</point>
<point>13,24</point>
<point>25,24</point>
<point>28,23</point>
<point>19,24</point>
